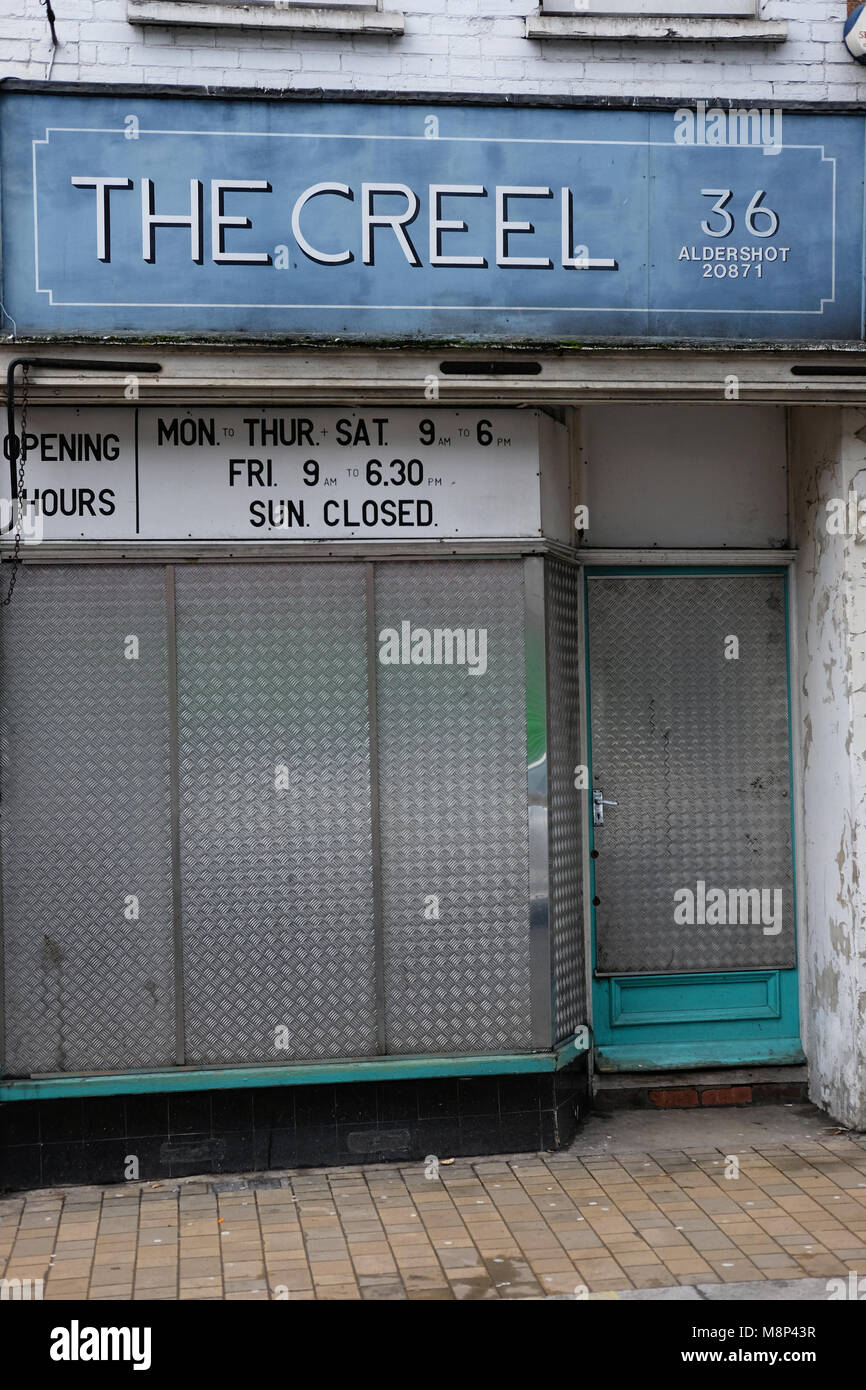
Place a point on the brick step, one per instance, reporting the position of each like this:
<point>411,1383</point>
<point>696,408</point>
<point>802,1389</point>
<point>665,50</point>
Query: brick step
<point>688,1090</point>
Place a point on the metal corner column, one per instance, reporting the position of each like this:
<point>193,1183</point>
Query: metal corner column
<point>174,774</point>
<point>375,821</point>
<point>540,957</point>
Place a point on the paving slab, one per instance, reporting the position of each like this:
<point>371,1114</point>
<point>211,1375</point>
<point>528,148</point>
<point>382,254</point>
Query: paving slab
<point>765,1203</point>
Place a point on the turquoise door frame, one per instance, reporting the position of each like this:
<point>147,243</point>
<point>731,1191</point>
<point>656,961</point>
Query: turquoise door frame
<point>723,1018</point>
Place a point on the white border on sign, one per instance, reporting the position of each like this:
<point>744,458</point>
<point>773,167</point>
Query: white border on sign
<point>404,308</point>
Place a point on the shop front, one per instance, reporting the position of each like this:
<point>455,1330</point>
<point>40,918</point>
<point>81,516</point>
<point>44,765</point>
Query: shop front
<point>412,710</point>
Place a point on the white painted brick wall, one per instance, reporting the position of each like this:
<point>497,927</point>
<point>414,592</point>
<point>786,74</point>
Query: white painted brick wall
<point>449,45</point>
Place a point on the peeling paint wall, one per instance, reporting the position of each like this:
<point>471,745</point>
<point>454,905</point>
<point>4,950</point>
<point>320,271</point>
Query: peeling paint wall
<point>828,462</point>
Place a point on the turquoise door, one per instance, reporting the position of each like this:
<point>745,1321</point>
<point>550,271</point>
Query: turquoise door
<point>692,878</point>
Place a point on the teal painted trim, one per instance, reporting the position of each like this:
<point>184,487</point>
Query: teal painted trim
<point>568,1052</point>
<point>752,1033</point>
<point>678,1056</point>
<point>703,1007</point>
<point>297,1074</point>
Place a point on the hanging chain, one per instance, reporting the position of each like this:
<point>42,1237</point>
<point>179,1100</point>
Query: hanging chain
<point>22,455</point>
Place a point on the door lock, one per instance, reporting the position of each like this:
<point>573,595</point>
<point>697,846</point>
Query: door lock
<point>598,805</point>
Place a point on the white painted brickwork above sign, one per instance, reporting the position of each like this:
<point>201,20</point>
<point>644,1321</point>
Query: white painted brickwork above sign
<point>448,46</point>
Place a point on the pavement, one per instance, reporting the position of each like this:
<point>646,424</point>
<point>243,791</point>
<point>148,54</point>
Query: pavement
<point>759,1202</point>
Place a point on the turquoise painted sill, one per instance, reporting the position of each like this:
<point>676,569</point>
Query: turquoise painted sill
<point>677,1056</point>
<point>292,1074</point>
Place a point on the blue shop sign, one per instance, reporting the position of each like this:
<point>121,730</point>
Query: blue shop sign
<point>363,220</point>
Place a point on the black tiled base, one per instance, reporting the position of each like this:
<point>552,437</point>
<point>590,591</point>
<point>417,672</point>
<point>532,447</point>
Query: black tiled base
<point>58,1143</point>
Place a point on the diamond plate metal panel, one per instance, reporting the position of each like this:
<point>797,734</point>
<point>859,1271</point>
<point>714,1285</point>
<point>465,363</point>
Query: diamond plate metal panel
<point>86,821</point>
<point>564,825</point>
<point>276,879</point>
<point>695,749</point>
<point>452,775</point>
